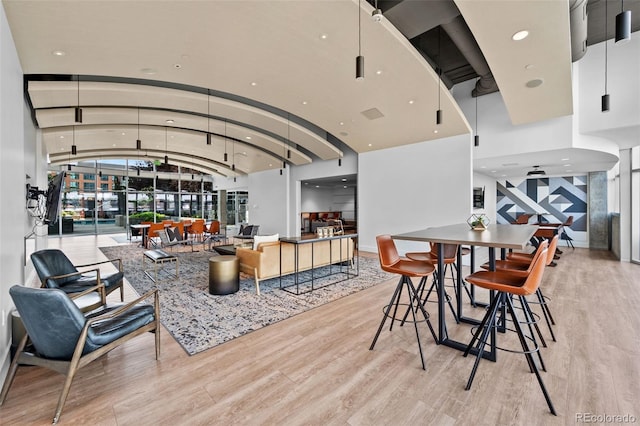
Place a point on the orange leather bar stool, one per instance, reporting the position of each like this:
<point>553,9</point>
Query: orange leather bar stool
<point>523,269</point>
<point>506,286</point>
<point>523,219</point>
<point>390,261</point>
<point>542,299</point>
<point>431,257</point>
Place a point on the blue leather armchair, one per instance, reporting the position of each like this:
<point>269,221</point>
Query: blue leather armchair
<point>64,340</point>
<point>55,270</point>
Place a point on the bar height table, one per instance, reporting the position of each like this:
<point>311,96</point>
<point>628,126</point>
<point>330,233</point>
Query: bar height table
<point>495,236</point>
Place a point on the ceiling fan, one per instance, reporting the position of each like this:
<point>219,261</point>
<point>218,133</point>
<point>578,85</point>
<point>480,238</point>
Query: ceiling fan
<point>536,172</point>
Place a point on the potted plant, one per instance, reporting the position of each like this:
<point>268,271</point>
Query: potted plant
<point>478,222</point>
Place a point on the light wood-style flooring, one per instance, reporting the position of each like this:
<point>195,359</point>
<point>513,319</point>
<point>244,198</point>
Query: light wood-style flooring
<point>316,368</point>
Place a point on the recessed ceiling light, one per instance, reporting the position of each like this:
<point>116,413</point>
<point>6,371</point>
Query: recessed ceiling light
<point>534,83</point>
<point>493,171</point>
<point>342,123</point>
<point>323,36</point>
<point>529,66</point>
<point>248,137</point>
<point>564,159</point>
<point>411,102</point>
<point>270,165</point>
<point>369,144</point>
<point>503,175</point>
<point>317,186</point>
<point>567,165</point>
<point>435,131</point>
<point>483,167</point>
<point>61,136</point>
<point>379,72</point>
<point>58,53</point>
<point>253,83</point>
<point>122,134</point>
<point>345,186</point>
<point>169,121</point>
<point>113,144</point>
<point>62,149</point>
<point>304,102</point>
<point>148,71</point>
<point>520,35</point>
<point>177,66</point>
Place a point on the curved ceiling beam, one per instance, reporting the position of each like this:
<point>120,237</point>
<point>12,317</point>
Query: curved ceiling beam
<point>190,106</point>
<point>127,119</point>
<point>102,140</point>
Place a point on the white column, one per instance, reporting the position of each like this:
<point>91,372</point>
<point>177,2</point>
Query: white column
<point>625,205</point>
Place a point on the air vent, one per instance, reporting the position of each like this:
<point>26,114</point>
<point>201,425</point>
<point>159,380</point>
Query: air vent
<point>373,113</point>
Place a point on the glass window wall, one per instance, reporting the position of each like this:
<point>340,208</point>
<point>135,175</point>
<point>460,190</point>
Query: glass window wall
<point>106,196</point>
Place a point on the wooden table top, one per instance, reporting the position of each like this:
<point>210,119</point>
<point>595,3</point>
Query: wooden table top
<point>496,235</point>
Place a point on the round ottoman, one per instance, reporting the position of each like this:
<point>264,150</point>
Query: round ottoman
<point>224,275</point>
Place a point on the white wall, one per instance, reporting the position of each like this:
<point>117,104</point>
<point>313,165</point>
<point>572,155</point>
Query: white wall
<point>413,187</point>
<point>314,199</point>
<point>269,201</point>
<point>622,121</point>
<point>13,216</point>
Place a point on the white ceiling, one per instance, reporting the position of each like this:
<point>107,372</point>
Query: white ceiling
<point>293,60</point>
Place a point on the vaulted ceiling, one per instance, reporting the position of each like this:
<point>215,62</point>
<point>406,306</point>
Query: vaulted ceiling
<point>272,81</point>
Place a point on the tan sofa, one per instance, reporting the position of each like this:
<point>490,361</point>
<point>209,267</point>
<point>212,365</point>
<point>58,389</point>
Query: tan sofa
<point>264,262</point>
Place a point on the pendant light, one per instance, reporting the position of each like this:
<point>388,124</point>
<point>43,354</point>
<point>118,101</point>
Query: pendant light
<point>359,58</point>
<point>623,24</point>
<point>476,138</point>
<point>439,69</point>
<point>233,154</point>
<point>604,102</point>
<point>74,148</point>
<point>138,141</point>
<point>226,157</point>
<point>288,135</point>
<point>208,119</point>
<point>78,112</point>
<point>166,151</point>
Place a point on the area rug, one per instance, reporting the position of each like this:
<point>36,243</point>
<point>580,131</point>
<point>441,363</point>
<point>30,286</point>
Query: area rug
<point>199,320</point>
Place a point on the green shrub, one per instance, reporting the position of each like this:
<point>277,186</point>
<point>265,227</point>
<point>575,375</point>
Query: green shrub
<point>146,217</point>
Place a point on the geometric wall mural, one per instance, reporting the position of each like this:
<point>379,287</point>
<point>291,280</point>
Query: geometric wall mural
<point>551,199</point>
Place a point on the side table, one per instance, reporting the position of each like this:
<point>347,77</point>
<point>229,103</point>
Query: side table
<point>158,258</point>
<point>224,275</point>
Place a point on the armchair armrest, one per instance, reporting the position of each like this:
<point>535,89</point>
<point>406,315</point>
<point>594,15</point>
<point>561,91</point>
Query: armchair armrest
<point>103,262</point>
<point>127,306</point>
<point>99,288</point>
<point>72,274</point>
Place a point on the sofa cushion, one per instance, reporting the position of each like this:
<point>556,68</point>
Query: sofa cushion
<point>264,239</point>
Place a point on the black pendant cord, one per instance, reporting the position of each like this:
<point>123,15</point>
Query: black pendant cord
<point>476,138</point>
<point>439,65</point>
<point>606,36</point>
<point>359,29</point>
<point>226,157</point>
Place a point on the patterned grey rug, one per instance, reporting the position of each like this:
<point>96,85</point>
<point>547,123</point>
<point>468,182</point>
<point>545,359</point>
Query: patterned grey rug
<point>199,320</point>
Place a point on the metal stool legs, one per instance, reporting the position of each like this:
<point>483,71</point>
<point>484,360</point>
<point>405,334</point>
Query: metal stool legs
<point>481,335</point>
<point>414,305</point>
